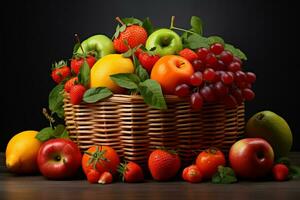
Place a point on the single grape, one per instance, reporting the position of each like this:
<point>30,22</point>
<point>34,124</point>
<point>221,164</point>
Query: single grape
<point>220,89</point>
<point>227,78</point>
<point>218,76</point>
<point>242,84</point>
<point>209,74</point>
<point>217,48</point>
<point>182,90</point>
<point>234,67</point>
<point>202,53</point>
<point>238,95</point>
<point>211,60</point>
<point>250,77</point>
<point>196,101</point>
<point>229,101</point>
<point>226,57</point>
<point>220,65</point>
<point>240,76</point>
<point>248,94</point>
<point>236,59</point>
<point>198,65</point>
<point>196,79</point>
<point>208,94</point>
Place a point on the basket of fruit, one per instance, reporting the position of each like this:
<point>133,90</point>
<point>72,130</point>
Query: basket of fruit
<point>150,88</point>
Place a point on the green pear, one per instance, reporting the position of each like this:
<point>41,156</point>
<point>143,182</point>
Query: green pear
<point>273,128</point>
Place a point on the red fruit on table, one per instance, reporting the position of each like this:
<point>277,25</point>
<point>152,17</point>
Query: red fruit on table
<point>192,174</point>
<point>209,160</point>
<point>93,176</point>
<point>251,158</point>
<point>131,172</point>
<point>106,178</point>
<point>59,159</point>
<point>280,172</point>
<point>163,164</point>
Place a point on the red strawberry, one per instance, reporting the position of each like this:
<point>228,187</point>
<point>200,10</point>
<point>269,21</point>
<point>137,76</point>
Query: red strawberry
<point>76,94</point>
<point>76,63</point>
<point>192,174</point>
<point>163,165</point>
<point>60,71</point>
<point>188,54</point>
<point>70,83</point>
<point>105,178</point>
<point>133,34</point>
<point>280,172</point>
<point>147,61</point>
<point>137,52</point>
<point>131,172</point>
<point>93,176</point>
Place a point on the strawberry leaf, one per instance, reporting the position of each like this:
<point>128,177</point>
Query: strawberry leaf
<point>147,25</point>
<point>152,94</point>
<point>56,100</point>
<point>131,20</point>
<point>126,80</point>
<point>84,74</point>
<point>119,30</point>
<point>196,24</point>
<point>93,95</point>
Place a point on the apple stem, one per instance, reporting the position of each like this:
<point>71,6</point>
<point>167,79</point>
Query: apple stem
<point>179,29</point>
<point>120,21</point>
<point>78,41</point>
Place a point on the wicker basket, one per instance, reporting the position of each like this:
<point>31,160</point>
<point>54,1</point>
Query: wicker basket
<point>133,129</point>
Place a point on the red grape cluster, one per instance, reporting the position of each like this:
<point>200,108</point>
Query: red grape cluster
<point>218,77</point>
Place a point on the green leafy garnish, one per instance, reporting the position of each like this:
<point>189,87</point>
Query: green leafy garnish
<point>215,39</point>
<point>93,95</point>
<point>47,133</point>
<point>56,100</point>
<point>196,24</point>
<point>84,74</point>
<point>147,25</point>
<point>126,80</point>
<point>235,51</point>
<point>139,70</point>
<point>119,30</point>
<point>196,41</point>
<point>225,175</point>
<point>131,20</point>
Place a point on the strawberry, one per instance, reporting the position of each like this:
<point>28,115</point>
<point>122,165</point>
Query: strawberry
<point>188,54</point>
<point>134,35</point>
<point>93,176</point>
<point>131,172</point>
<point>280,172</point>
<point>192,174</point>
<point>147,61</point>
<point>70,83</point>
<point>137,52</point>
<point>60,71</point>
<point>163,165</point>
<point>76,94</point>
<point>105,178</point>
<point>77,62</point>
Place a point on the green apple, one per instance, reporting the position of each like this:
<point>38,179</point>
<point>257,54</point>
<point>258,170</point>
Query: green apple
<point>165,42</point>
<point>101,44</point>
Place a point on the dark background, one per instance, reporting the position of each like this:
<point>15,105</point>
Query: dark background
<point>34,34</point>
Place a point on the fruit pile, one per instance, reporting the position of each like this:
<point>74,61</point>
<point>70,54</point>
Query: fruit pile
<point>153,64</point>
<point>141,61</point>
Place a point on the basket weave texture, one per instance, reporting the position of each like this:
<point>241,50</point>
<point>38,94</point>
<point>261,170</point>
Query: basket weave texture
<point>133,129</point>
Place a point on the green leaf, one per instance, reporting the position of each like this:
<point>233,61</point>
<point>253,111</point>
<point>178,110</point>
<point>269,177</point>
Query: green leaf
<point>126,80</point>
<point>93,95</point>
<point>215,39</point>
<point>128,53</point>
<point>236,52</point>
<point>59,129</point>
<point>65,134</point>
<point>45,134</point>
<point>284,160</point>
<point>119,30</point>
<point>294,172</point>
<point>139,70</point>
<point>196,24</point>
<point>147,25</point>
<point>131,20</point>
<point>196,41</point>
<point>84,74</point>
<point>225,175</point>
<point>56,100</point>
<point>152,94</point>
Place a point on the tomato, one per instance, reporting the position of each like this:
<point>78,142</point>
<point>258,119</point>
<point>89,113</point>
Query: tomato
<point>192,174</point>
<point>101,158</point>
<point>209,160</point>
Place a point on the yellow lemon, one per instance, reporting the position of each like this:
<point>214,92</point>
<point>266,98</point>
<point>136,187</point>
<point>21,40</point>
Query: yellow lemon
<point>106,66</point>
<point>21,153</point>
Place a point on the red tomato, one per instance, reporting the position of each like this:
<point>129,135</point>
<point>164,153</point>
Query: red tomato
<point>101,158</point>
<point>192,174</point>
<point>209,160</point>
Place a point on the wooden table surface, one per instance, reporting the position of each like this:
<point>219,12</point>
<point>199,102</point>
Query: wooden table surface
<point>36,187</point>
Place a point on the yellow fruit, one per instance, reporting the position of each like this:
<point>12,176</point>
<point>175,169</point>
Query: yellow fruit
<point>106,66</point>
<point>21,153</point>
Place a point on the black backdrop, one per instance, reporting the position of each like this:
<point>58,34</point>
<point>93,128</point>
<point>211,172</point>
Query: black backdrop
<point>36,33</point>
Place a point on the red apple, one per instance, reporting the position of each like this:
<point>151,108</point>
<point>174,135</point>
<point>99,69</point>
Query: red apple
<point>59,158</point>
<point>251,158</point>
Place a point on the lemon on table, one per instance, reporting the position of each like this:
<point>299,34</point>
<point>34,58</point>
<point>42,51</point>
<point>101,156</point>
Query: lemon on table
<point>21,153</point>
